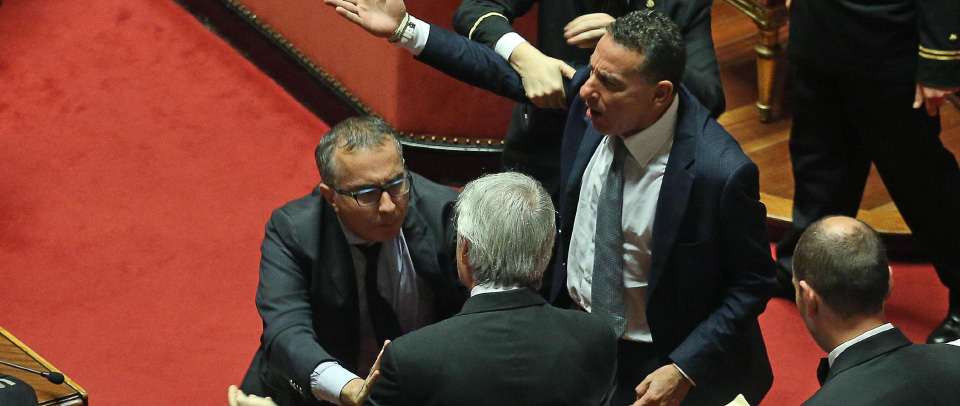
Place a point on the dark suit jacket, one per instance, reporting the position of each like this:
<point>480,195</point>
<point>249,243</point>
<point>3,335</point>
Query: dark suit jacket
<point>504,348</point>
<point>887,369</point>
<point>884,40</point>
<point>308,297</point>
<point>712,273</point>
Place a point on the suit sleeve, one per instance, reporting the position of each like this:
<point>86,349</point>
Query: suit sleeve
<point>485,21</point>
<point>702,72</point>
<point>386,390</point>
<point>476,65</point>
<point>748,275</point>
<point>289,343</point>
<point>939,24</point>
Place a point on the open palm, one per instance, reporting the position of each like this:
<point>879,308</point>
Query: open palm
<point>378,17</point>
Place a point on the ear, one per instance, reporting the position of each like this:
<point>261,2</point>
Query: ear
<point>663,93</point>
<point>809,298</point>
<point>329,195</point>
<point>890,287</point>
<point>463,264</point>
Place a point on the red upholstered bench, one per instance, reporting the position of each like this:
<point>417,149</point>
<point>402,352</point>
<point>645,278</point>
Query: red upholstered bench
<point>770,16</point>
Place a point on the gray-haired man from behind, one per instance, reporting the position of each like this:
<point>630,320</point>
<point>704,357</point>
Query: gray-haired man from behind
<point>507,346</point>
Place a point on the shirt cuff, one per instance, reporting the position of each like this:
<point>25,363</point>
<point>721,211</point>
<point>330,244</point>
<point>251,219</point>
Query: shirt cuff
<point>684,374</point>
<point>507,43</point>
<point>328,379</point>
<point>418,41</point>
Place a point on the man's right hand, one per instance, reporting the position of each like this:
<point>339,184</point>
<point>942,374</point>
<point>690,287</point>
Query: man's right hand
<point>378,17</point>
<point>542,76</point>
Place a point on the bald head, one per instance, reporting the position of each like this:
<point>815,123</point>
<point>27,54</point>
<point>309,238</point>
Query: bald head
<point>844,261</point>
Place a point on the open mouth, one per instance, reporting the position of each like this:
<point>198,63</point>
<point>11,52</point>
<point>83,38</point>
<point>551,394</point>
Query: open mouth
<point>593,114</point>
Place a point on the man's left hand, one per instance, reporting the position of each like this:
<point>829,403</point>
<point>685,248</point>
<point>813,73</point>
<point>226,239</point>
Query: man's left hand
<point>932,97</point>
<point>664,387</point>
<point>355,392</point>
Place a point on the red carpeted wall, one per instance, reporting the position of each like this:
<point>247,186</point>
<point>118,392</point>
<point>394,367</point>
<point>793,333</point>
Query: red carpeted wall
<point>140,157</point>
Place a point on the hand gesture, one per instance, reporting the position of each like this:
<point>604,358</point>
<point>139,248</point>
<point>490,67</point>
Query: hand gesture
<point>355,392</point>
<point>664,387</point>
<point>542,76</point>
<point>236,397</point>
<point>378,17</point>
<point>932,97</point>
<point>585,31</point>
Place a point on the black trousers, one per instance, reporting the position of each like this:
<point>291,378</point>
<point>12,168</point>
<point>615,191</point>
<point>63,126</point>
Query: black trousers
<point>840,127</point>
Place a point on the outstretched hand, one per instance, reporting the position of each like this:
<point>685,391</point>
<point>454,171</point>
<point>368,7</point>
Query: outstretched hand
<point>355,392</point>
<point>378,17</point>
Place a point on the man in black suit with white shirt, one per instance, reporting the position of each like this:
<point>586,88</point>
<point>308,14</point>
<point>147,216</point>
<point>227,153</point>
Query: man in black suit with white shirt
<point>842,280</point>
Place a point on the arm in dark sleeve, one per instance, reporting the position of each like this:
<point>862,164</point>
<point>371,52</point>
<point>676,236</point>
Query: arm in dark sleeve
<point>485,21</point>
<point>471,63</point>
<point>289,342</point>
<point>939,25</point>
<point>748,274</point>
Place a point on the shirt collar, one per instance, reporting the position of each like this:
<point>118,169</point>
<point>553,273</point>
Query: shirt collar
<point>486,288</point>
<point>648,143</point>
<point>869,333</point>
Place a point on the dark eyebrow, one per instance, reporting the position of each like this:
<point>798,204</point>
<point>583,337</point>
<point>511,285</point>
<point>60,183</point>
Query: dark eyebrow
<point>608,78</point>
<point>366,186</point>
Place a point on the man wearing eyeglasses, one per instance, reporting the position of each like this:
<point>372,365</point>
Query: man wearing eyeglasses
<point>370,223</point>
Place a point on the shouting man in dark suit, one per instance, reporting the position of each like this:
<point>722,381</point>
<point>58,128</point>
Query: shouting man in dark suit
<point>508,346</point>
<point>662,231</point>
<point>364,258</point>
<point>842,279</point>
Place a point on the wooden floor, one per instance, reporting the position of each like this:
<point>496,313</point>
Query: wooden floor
<point>734,36</point>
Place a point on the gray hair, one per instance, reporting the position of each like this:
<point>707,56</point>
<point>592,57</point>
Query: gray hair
<point>355,133</point>
<point>509,223</point>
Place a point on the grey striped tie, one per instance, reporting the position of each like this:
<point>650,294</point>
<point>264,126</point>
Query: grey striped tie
<point>607,284</point>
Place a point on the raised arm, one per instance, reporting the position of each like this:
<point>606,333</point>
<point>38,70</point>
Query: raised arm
<point>443,50</point>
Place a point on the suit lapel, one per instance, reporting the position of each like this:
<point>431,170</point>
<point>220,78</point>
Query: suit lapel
<point>674,190</point>
<point>867,350</point>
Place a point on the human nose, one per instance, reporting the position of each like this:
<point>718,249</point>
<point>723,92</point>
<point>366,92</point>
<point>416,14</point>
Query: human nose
<point>386,203</point>
<point>587,90</point>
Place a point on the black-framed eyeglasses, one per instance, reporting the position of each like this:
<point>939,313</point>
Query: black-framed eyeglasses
<point>371,196</point>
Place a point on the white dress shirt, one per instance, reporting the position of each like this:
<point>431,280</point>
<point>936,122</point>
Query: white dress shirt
<point>398,283</point>
<point>643,171</point>
<point>867,334</point>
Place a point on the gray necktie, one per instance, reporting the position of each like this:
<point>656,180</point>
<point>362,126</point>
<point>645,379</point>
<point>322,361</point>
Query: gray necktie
<point>607,284</point>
